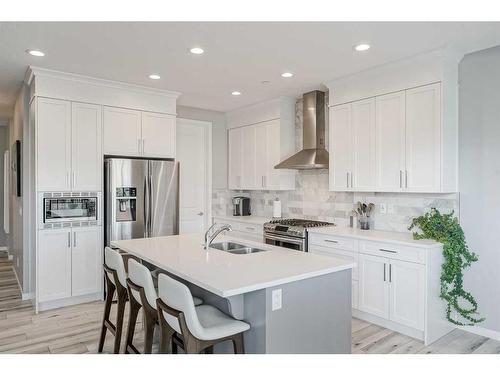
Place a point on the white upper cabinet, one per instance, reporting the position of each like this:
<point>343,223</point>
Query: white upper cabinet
<point>158,135</point>
<point>53,132</point>
<point>134,133</point>
<point>260,137</point>
<point>363,145</point>
<point>248,146</point>
<point>390,142</point>
<point>423,139</point>
<point>340,147</point>
<point>122,131</point>
<point>235,152</point>
<point>86,160</point>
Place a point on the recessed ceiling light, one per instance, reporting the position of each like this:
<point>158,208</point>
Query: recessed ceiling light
<point>236,93</point>
<point>266,82</point>
<point>196,50</point>
<point>34,52</point>
<point>362,47</point>
<point>287,75</point>
<point>154,76</point>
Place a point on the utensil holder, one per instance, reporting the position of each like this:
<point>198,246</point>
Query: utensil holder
<point>364,223</point>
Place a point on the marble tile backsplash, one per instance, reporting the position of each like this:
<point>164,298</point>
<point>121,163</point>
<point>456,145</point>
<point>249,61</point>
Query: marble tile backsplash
<point>311,199</point>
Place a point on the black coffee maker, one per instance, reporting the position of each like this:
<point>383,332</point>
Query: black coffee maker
<point>241,206</point>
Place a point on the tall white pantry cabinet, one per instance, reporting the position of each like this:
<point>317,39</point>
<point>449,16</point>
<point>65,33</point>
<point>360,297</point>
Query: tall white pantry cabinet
<point>77,121</point>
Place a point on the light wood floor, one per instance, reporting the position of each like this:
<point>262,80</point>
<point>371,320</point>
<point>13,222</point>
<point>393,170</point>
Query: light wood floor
<point>76,329</point>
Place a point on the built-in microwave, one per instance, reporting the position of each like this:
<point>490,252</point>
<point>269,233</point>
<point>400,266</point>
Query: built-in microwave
<point>71,207</point>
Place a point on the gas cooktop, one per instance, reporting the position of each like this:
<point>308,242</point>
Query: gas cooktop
<point>293,227</point>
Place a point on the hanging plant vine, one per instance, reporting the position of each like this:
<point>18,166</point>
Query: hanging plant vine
<point>445,228</point>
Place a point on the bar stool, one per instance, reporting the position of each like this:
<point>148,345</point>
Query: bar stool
<point>142,293</point>
<point>116,280</point>
<point>199,327</point>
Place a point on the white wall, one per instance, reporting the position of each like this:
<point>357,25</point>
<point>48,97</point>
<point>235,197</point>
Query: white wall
<point>479,176</point>
<point>219,141</point>
<point>4,145</point>
<point>18,126</point>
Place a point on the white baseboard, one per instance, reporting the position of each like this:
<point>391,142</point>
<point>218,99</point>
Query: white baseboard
<point>491,334</point>
<point>49,305</point>
<point>27,296</point>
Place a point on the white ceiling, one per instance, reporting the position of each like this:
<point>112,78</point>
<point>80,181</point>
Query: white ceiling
<point>239,56</point>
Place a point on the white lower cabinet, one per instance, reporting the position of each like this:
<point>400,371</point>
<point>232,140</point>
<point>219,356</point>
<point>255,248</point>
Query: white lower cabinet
<point>407,293</point>
<point>392,289</point>
<point>373,286</point>
<point>242,229</point>
<point>394,284</point>
<point>86,261</point>
<point>69,263</point>
<point>54,264</point>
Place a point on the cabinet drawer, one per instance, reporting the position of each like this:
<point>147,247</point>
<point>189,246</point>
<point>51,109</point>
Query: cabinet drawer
<point>392,251</point>
<point>337,253</point>
<point>234,225</point>
<point>250,228</point>
<point>334,242</point>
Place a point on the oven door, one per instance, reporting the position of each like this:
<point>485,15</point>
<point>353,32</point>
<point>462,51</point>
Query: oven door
<point>293,243</point>
<point>69,209</point>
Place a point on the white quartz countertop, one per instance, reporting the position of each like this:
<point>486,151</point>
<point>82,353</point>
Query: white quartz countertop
<point>227,274</point>
<point>375,235</point>
<point>244,219</point>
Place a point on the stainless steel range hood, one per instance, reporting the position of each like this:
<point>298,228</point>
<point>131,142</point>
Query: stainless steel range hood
<point>314,154</point>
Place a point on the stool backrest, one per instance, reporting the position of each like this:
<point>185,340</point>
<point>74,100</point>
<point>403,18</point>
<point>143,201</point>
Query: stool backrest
<point>114,260</point>
<point>178,296</point>
<point>140,275</point>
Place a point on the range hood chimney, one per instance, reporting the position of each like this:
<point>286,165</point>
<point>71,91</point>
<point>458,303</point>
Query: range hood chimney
<point>314,154</point>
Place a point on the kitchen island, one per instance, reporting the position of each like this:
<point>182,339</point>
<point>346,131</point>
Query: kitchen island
<point>295,302</point>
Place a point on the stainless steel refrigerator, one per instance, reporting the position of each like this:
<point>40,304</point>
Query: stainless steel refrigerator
<point>141,198</point>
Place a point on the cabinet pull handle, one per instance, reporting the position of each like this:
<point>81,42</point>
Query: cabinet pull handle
<point>332,241</point>
<point>143,144</point>
<point>74,239</point>
<point>250,228</point>
<point>400,178</point>
<point>265,181</point>
<point>262,181</point>
<point>69,239</point>
<point>74,179</point>
<point>138,146</point>
<point>406,178</point>
<point>390,273</point>
<point>352,184</point>
<point>384,271</point>
<point>388,251</point>
<point>347,179</point>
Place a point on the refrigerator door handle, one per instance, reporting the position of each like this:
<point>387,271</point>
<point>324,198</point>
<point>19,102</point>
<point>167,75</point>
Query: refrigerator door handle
<point>145,207</point>
<point>151,218</point>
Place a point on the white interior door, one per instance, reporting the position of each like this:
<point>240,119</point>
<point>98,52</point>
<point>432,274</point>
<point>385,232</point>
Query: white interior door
<point>193,154</point>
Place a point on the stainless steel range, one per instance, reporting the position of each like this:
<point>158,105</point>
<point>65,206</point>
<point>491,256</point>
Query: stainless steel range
<point>290,233</point>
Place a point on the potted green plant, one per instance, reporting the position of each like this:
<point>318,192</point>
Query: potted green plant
<point>446,229</point>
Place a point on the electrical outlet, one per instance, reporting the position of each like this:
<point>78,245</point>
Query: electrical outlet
<point>277,296</point>
<point>390,208</point>
<point>383,208</point>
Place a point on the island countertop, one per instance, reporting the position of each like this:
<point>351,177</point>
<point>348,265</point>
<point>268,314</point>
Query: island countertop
<point>226,274</point>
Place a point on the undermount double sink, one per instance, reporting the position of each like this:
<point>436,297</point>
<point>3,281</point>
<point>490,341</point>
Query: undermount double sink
<point>235,248</point>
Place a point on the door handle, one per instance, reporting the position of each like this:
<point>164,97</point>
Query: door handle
<point>69,239</point>
<point>74,239</point>
<point>400,178</point>
<point>332,241</point>
<point>151,217</point>
<point>352,184</point>
<point>406,178</point>
<point>347,179</point>
<point>143,144</point>
<point>384,271</point>
<point>145,207</point>
<point>138,146</point>
<point>390,273</point>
